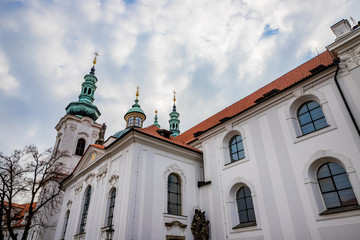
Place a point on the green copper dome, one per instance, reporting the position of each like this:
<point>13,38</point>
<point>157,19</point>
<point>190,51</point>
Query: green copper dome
<point>84,107</point>
<point>135,108</point>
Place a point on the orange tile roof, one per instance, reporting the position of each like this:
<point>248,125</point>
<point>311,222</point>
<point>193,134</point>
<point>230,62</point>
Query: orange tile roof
<point>152,131</point>
<point>283,82</point>
<point>20,215</point>
<point>98,146</point>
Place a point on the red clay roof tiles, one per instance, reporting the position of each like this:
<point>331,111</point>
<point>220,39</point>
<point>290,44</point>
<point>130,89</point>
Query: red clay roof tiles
<point>283,82</point>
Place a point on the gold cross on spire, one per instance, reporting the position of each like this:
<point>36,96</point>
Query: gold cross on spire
<point>137,92</point>
<point>174,96</point>
<point>96,54</point>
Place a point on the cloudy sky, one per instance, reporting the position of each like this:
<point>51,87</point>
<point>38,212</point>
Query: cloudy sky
<point>211,52</point>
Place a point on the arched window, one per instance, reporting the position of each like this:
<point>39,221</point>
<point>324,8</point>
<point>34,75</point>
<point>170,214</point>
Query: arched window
<point>89,91</point>
<point>65,224</point>
<point>85,90</point>
<point>80,147</point>
<point>85,210</point>
<point>236,148</point>
<point>245,206</point>
<point>138,122</point>
<point>174,195</point>
<point>111,205</point>
<point>335,186</point>
<point>311,117</point>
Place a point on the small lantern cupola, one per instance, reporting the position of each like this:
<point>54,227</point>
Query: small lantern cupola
<point>174,120</point>
<point>156,119</point>
<point>135,116</point>
<point>84,107</point>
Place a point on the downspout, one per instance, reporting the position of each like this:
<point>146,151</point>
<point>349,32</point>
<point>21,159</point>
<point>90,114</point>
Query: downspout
<point>343,97</point>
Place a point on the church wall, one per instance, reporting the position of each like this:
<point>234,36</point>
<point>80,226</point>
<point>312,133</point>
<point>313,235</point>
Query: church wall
<point>141,192</point>
<point>275,167</point>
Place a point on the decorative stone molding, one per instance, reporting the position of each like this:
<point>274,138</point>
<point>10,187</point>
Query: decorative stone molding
<point>174,168</point>
<point>351,58</point>
<point>102,173</point>
<point>229,127</point>
<point>68,204</point>
<point>72,127</point>
<point>95,134</point>
<point>113,179</point>
<point>89,178</point>
<point>174,223</point>
<point>78,187</point>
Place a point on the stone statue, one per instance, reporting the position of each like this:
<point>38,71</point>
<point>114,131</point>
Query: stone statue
<point>100,139</point>
<point>200,226</point>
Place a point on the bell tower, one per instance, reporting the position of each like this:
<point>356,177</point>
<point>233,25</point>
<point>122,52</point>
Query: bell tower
<point>78,128</point>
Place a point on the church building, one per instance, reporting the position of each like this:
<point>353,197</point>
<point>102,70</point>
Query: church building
<point>281,163</point>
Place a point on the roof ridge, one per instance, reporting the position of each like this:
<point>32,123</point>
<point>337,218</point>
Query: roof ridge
<point>286,80</point>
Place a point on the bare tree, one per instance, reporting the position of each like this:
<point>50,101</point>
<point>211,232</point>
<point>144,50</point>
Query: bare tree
<point>32,176</point>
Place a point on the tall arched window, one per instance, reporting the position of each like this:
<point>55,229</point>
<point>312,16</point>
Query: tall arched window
<point>245,206</point>
<point>174,195</point>
<point>335,186</point>
<point>236,148</point>
<point>80,147</point>
<point>311,117</point>
<point>85,210</point>
<point>65,224</point>
<point>111,205</point>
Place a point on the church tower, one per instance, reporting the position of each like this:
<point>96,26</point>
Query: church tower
<point>135,116</point>
<point>174,120</point>
<point>78,128</point>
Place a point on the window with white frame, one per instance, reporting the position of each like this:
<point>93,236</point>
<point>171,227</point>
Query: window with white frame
<point>111,206</point>
<point>236,148</point>
<point>311,117</point>
<point>85,210</point>
<point>335,186</point>
<point>174,195</point>
<point>245,207</point>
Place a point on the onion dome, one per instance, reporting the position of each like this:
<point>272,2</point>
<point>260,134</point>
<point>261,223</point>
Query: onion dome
<point>135,116</point>
<point>84,107</point>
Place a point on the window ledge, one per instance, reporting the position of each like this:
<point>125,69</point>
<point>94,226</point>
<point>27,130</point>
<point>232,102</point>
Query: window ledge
<point>79,236</point>
<point>340,210</point>
<point>235,163</point>
<point>244,225</point>
<point>167,215</point>
<point>315,133</point>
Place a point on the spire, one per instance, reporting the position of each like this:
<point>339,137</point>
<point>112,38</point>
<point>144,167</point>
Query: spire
<point>84,107</point>
<point>156,119</point>
<point>135,116</point>
<point>174,119</point>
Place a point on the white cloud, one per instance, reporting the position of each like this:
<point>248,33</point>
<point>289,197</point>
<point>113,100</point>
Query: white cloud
<point>8,83</point>
<point>212,52</point>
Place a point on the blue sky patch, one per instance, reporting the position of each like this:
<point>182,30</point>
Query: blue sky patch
<point>268,31</point>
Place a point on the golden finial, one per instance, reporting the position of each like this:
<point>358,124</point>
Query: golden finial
<point>174,96</point>
<point>137,92</point>
<point>96,54</point>
<point>156,111</point>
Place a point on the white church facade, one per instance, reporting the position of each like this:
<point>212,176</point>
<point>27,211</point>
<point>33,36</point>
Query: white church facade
<point>282,163</point>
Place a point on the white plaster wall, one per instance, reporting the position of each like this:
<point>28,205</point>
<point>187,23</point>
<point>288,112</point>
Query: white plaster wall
<point>273,169</point>
<point>140,208</point>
